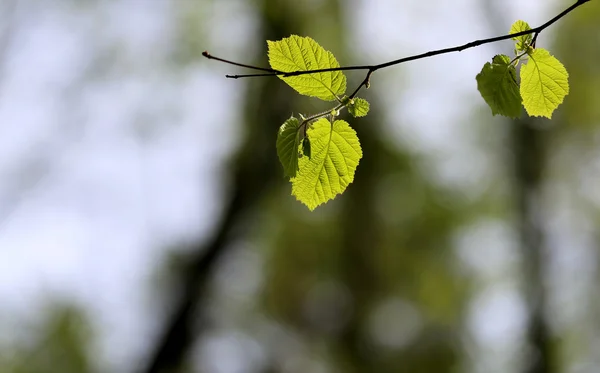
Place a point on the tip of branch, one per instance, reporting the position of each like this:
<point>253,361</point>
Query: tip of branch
<point>232,76</point>
<point>206,54</point>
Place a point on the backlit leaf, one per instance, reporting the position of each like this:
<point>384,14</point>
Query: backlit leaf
<point>523,41</point>
<point>335,153</point>
<point>297,53</point>
<point>358,107</point>
<point>497,83</point>
<point>287,146</point>
<point>544,83</point>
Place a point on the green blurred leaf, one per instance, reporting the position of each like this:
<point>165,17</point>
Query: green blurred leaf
<point>544,83</point>
<point>497,83</point>
<point>297,53</point>
<point>335,154</point>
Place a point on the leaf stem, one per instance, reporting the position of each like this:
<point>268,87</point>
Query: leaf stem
<point>322,114</point>
<point>518,57</point>
<point>365,83</point>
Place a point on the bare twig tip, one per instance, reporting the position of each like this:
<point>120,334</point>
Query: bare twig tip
<point>206,54</point>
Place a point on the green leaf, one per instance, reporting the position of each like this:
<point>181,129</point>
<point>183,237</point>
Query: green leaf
<point>287,146</point>
<point>497,83</point>
<point>335,154</point>
<point>523,41</point>
<point>544,83</point>
<point>301,54</point>
<point>358,107</point>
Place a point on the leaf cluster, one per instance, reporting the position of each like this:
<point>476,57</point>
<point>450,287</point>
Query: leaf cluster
<point>543,82</point>
<point>319,153</point>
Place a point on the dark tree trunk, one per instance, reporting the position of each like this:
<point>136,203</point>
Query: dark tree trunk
<point>529,164</point>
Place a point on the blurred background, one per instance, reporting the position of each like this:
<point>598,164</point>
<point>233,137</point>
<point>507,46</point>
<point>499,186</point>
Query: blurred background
<point>146,226</point>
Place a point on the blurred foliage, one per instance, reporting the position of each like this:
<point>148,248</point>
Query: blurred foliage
<point>60,343</point>
<point>192,23</point>
<point>573,176</point>
<point>579,47</point>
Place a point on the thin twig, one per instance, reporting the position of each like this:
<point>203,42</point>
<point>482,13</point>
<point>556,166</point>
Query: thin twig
<point>248,75</point>
<point>373,68</point>
<point>211,57</point>
<point>365,83</point>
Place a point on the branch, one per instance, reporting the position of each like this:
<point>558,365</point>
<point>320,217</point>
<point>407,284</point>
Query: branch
<point>179,334</point>
<point>372,68</point>
<point>211,57</point>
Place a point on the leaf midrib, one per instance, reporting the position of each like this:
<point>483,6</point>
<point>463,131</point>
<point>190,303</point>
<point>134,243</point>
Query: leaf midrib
<point>325,160</point>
